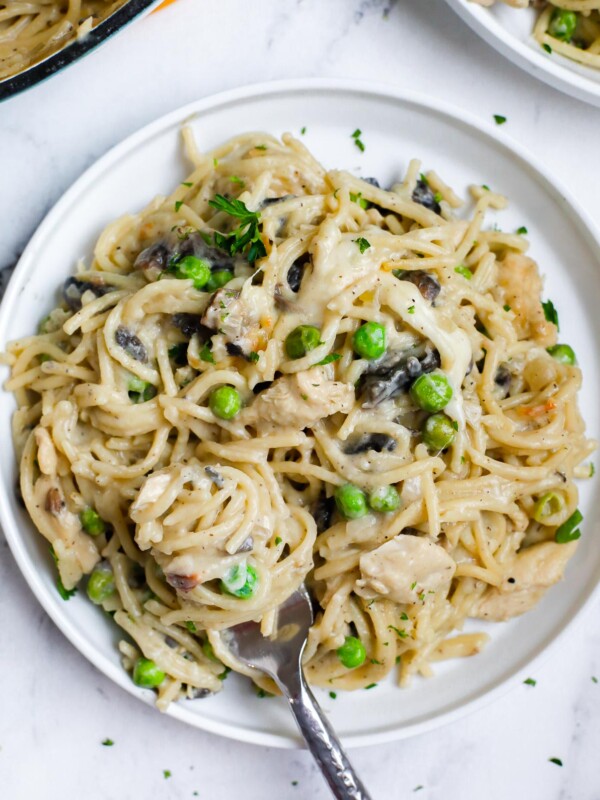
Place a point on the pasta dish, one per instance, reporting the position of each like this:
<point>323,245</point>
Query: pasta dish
<point>280,375</point>
<point>569,27</point>
<point>29,32</point>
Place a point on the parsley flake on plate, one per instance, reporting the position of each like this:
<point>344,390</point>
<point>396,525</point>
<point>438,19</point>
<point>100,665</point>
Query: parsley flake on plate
<point>357,140</point>
<point>551,313</point>
<point>499,119</point>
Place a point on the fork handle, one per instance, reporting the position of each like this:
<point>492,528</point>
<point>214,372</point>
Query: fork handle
<point>322,741</point>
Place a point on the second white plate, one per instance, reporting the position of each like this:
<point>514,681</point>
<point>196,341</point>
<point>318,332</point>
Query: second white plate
<point>509,31</point>
<point>396,126</point>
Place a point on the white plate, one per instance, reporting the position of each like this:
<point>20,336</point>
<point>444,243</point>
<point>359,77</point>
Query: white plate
<point>509,31</point>
<point>396,126</point>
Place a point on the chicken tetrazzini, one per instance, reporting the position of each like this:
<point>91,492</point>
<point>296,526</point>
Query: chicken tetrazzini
<point>569,27</point>
<point>280,375</point>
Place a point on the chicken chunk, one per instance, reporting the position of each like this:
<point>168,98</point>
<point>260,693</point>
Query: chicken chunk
<point>300,401</point>
<point>535,569</point>
<point>236,317</point>
<point>520,287</point>
<point>403,568</point>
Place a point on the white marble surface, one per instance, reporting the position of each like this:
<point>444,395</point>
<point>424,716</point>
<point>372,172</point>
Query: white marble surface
<point>55,708</point>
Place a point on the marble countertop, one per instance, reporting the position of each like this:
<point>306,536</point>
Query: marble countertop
<point>56,709</point>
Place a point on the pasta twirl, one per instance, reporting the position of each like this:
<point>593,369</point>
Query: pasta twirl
<point>279,375</point>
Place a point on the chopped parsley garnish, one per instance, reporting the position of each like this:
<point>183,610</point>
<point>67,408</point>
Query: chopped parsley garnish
<point>401,633</point>
<point>303,130</point>
<point>333,695</point>
<point>506,307</point>
<point>418,788</point>
<point>485,186</point>
<point>371,686</point>
<point>522,231</point>
<point>237,179</point>
<point>294,783</point>
<point>108,743</point>
<point>375,661</point>
<point>423,178</point>
<point>464,271</point>
<point>262,693</point>
<point>594,679</point>
<point>438,197</point>
<point>166,773</point>
<point>261,147</point>
<point>412,586</point>
<point>206,355</point>
<point>328,359</point>
<point>185,183</point>
<point>253,357</point>
<point>363,244</point>
<point>278,540</point>
<point>178,204</point>
<point>556,761</point>
<point>247,236</point>
<point>592,470</point>
<point>454,424</point>
<point>404,615</point>
<point>358,198</point>
<point>499,119</point>
<point>411,309</point>
<point>191,626</point>
<point>551,313</point>
<point>357,140</point>
<point>547,47</point>
<point>530,682</point>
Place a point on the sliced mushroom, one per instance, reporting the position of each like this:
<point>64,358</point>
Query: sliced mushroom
<point>425,282</point>
<point>323,512</point>
<point>132,345</point>
<point>423,195</point>
<point>379,442</point>
<point>74,289</point>
<point>296,272</point>
<point>394,373</point>
<point>182,583</point>
<point>503,379</point>
<point>54,502</point>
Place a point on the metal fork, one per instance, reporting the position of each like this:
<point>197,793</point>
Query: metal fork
<point>279,656</point>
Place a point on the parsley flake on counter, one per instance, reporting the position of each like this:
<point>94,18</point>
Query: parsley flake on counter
<point>294,783</point>
<point>556,761</point>
<point>530,682</point>
<point>166,773</point>
<point>108,743</point>
<point>357,140</point>
<point>499,119</point>
<point>594,679</point>
<point>418,788</point>
<point>551,313</point>
<point>522,231</point>
<point>363,244</point>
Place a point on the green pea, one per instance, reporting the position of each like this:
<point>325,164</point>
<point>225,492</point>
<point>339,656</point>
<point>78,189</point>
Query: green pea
<point>92,522</point>
<point>194,268</point>
<point>548,504</point>
<point>369,341</point>
<point>563,353</point>
<point>351,501</point>
<point>432,391</point>
<point>240,581</point>
<point>562,24</point>
<point>147,674</point>
<point>208,651</point>
<point>568,531</point>
<point>352,653</point>
<point>302,340</point>
<point>439,431</point>
<point>140,391</point>
<point>218,279</point>
<point>101,585</point>
<point>384,499</point>
<point>225,402</point>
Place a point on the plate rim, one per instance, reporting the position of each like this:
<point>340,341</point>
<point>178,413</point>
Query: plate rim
<point>556,74</point>
<point>109,160</point>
